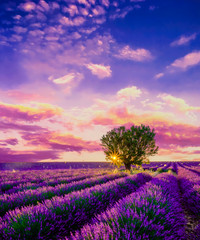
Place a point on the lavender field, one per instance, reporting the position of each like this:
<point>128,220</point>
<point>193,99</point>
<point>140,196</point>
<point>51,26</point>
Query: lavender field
<point>160,201</point>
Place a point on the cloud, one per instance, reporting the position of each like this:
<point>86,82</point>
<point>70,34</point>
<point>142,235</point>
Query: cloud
<point>44,5</point>
<point>138,55</point>
<point>15,38</point>
<point>178,135</point>
<point>77,21</point>
<point>30,114</point>
<point>6,126</point>
<point>169,134</point>
<point>98,10</point>
<point>55,5</point>
<point>121,13</point>
<point>92,2</point>
<point>189,60</point>
<point>159,75</point>
<point>7,155</point>
<point>72,10</point>
<point>9,141</point>
<point>65,79</point>
<point>153,105</point>
<point>19,29</point>
<point>36,33</point>
<point>28,6</point>
<point>17,17</point>
<point>58,141</point>
<point>177,103</point>
<point>68,81</point>
<point>105,3</point>
<point>129,93</point>
<point>85,2</point>
<point>84,11</point>
<point>101,71</point>
<point>30,93</point>
<point>183,40</point>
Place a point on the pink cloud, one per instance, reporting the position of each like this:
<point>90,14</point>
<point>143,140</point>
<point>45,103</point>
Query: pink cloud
<point>177,103</point>
<point>57,141</point>
<point>85,2</point>
<point>168,133</point>
<point>22,113</point>
<point>159,75</point>
<point>77,21</point>
<point>129,93</point>
<point>105,3</point>
<point>183,40</point>
<point>28,6</point>
<point>101,71</point>
<point>9,141</point>
<point>16,126</point>
<point>98,10</point>
<point>189,60</point>
<point>72,10</point>
<point>22,96</point>
<point>19,29</point>
<point>44,5</point>
<point>178,135</point>
<point>138,55</point>
<point>7,155</point>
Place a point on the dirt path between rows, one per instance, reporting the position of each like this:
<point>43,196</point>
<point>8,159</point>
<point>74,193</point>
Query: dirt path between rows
<point>191,220</point>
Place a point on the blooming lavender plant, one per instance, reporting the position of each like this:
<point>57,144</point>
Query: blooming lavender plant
<point>10,179</point>
<point>153,212</point>
<point>60,215</point>
<point>12,201</point>
<point>50,182</point>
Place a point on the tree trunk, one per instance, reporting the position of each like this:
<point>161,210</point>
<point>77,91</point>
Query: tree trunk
<point>127,166</point>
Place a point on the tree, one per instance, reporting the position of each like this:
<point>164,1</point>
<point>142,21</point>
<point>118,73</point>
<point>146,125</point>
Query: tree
<point>129,146</point>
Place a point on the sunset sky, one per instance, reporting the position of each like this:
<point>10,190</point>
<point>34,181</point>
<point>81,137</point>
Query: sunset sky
<point>71,70</point>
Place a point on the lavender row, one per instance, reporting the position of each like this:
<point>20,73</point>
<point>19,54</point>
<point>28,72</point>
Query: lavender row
<point>49,182</point>
<point>39,178</point>
<point>190,187</point>
<point>35,174</point>
<point>42,174</point>
<point>8,184</point>
<point>175,167</point>
<point>57,217</point>
<point>166,166</point>
<point>154,168</point>
<point>153,212</point>
<point>8,202</point>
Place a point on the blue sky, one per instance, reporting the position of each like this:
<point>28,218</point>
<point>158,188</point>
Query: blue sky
<point>72,70</point>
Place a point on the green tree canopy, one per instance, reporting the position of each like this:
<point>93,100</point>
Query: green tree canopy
<point>129,146</point>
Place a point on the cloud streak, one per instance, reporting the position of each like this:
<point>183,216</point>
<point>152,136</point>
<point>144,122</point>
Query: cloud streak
<point>7,155</point>
<point>138,55</point>
<point>183,40</point>
<point>101,71</point>
<point>24,113</point>
<point>189,60</point>
<point>58,141</point>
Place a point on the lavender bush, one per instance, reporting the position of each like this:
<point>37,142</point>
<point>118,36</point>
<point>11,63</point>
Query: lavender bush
<point>153,212</point>
<point>60,215</point>
<point>12,201</point>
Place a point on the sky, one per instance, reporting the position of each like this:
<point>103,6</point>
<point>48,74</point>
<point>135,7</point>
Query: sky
<point>72,70</point>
